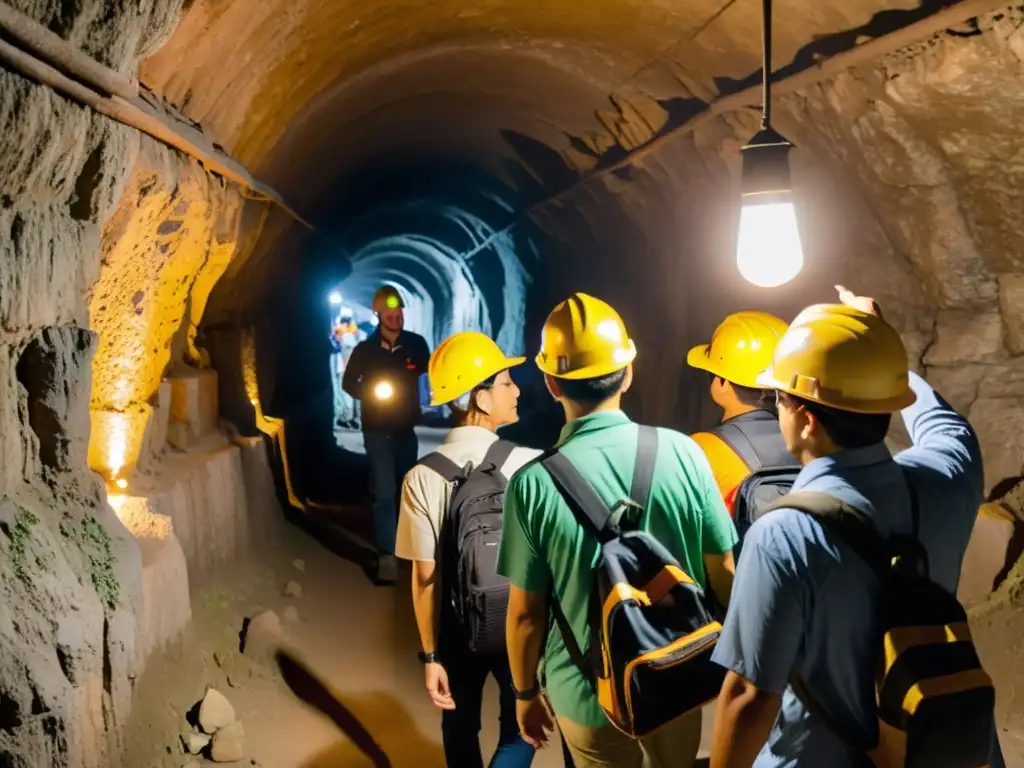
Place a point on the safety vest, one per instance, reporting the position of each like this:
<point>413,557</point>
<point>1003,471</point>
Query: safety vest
<point>737,447</point>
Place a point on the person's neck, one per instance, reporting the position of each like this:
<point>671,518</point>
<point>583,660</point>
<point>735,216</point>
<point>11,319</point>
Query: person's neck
<point>482,421</point>
<point>733,410</point>
<point>389,336</point>
<point>575,410</point>
<point>809,453</point>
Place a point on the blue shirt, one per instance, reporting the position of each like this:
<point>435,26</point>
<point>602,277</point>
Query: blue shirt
<point>795,610</point>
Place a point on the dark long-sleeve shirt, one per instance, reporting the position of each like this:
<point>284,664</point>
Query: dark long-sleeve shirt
<point>373,363</point>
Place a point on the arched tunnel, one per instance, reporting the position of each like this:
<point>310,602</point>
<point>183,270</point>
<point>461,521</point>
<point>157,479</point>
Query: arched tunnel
<point>184,184</point>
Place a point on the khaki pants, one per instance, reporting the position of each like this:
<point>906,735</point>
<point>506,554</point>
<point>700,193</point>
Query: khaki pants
<point>672,746</point>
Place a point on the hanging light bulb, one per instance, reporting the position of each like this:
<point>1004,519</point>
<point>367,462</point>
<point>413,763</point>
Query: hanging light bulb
<point>768,248</point>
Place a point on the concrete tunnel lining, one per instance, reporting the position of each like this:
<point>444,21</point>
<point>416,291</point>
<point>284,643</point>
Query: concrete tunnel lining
<point>901,186</point>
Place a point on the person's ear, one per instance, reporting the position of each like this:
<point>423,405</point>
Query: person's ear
<point>484,401</point>
<point>552,385</point>
<point>810,425</point>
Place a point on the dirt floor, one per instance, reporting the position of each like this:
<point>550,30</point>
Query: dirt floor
<point>351,692</point>
<point>354,661</point>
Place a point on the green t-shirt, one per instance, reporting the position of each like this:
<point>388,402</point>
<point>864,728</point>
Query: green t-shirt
<point>543,544</point>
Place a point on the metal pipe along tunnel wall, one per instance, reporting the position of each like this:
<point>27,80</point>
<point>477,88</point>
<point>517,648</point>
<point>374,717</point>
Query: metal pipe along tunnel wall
<point>488,161</point>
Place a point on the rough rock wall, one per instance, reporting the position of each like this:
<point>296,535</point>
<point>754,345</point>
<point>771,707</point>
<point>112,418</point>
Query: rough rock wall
<point>69,571</point>
<point>907,185</point>
<point>171,238</point>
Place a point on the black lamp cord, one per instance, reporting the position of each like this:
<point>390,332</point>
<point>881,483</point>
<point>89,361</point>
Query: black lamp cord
<point>766,66</point>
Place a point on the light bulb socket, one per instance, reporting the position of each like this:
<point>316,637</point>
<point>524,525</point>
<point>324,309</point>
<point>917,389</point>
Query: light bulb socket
<point>765,177</point>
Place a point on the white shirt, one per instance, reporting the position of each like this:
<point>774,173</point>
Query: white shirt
<point>425,494</point>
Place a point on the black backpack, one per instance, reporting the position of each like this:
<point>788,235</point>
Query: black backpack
<point>935,701</point>
<point>756,439</point>
<point>476,594</point>
<point>652,628</point>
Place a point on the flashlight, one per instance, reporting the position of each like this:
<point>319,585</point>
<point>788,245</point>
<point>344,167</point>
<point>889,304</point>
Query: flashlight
<point>383,390</point>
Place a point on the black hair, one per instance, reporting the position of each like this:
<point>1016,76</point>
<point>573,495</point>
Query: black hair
<point>459,416</point>
<point>762,399</point>
<point>593,391</point>
<point>847,429</point>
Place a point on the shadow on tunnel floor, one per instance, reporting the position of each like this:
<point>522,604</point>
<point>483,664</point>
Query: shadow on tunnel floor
<point>406,745</point>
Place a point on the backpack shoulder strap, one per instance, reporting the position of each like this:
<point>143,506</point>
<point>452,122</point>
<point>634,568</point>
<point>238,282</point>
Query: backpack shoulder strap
<point>643,470</point>
<point>594,515</point>
<point>588,508</point>
<point>582,661</point>
<point>441,464</point>
<point>867,543</point>
<point>915,510</point>
<point>498,453</point>
<point>843,520</point>
<point>737,440</point>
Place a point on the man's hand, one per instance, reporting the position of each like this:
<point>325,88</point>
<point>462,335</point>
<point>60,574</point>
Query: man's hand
<point>437,686</point>
<point>863,303</point>
<point>535,722</point>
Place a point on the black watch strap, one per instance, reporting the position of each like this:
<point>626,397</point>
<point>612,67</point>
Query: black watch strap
<point>528,694</point>
<point>427,658</point>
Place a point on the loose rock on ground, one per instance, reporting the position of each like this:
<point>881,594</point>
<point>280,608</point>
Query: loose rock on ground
<point>215,712</point>
<point>195,742</point>
<point>223,736</point>
<point>263,637</point>
<point>228,744</point>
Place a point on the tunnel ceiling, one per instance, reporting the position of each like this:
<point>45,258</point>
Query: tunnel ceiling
<point>315,79</point>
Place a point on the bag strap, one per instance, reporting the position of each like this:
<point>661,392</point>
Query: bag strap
<point>643,469</point>
<point>853,528</point>
<point>566,476</point>
<point>588,508</point>
<point>498,454</point>
<point>441,464</point>
<point>593,514</point>
<point>581,660</point>
<point>739,443</point>
<point>843,520</point>
<point>915,509</point>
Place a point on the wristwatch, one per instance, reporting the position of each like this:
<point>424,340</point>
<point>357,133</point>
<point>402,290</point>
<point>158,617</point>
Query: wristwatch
<point>427,658</point>
<point>527,695</point>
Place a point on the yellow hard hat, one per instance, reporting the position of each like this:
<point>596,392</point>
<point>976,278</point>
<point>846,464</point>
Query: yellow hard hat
<point>844,358</point>
<point>741,347</point>
<point>387,297</point>
<point>584,338</point>
<point>462,362</point>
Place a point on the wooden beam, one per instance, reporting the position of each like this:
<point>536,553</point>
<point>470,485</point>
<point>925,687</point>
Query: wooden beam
<point>110,94</point>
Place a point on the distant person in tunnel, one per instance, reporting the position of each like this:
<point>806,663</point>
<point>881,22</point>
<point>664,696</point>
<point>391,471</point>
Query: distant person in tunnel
<point>550,555</point>
<point>803,638</point>
<point>383,375</point>
<point>346,336</point>
<point>442,513</point>
<point>748,439</point>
